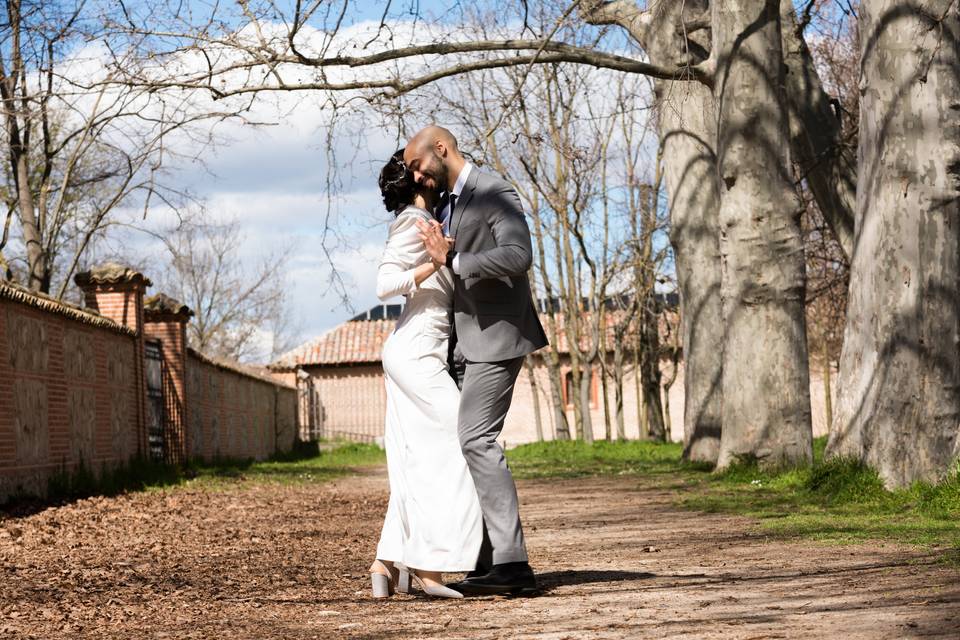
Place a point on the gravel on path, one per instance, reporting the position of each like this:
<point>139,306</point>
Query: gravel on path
<point>615,557</point>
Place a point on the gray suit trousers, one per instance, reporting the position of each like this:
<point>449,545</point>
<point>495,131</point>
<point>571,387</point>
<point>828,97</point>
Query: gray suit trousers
<point>486,393</point>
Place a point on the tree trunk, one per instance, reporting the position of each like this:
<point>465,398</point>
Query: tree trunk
<point>899,382</point>
<point>827,390</point>
<point>586,395</point>
<point>825,162</point>
<point>535,395</point>
<point>675,353</point>
<point>607,419</point>
<point>36,263</point>
<point>604,391</point>
<point>641,405</point>
<point>687,133</point>
<point>650,368</point>
<point>667,422</point>
<point>766,392</point>
<point>562,426</point>
<point>618,387</point>
<point>656,430</point>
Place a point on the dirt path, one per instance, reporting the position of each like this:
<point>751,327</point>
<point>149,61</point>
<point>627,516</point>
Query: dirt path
<point>274,561</point>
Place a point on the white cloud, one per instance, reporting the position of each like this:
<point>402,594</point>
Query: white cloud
<point>276,180</point>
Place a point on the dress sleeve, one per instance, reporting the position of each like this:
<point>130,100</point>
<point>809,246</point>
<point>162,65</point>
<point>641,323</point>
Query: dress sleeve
<point>404,252</point>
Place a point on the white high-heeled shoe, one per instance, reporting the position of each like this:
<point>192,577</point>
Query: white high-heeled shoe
<point>384,579</point>
<point>432,588</point>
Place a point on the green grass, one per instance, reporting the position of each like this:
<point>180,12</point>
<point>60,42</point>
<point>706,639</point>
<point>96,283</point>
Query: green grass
<point>333,460</point>
<point>573,459</point>
<point>833,500</point>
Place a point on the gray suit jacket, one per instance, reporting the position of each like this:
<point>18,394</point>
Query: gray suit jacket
<point>494,315</point>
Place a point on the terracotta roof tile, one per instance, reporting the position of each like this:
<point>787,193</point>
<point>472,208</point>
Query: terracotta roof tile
<point>361,342</point>
<point>354,342</point>
<point>110,273</point>
<point>161,304</point>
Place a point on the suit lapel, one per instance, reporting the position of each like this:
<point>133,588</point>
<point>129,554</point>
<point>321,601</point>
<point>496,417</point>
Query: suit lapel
<point>464,201</point>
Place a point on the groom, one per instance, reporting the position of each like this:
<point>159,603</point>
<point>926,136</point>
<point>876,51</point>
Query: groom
<point>495,326</point>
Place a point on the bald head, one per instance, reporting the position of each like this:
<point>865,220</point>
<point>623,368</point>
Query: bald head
<point>433,134</point>
<point>434,158</point>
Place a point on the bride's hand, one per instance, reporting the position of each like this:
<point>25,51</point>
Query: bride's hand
<point>436,244</point>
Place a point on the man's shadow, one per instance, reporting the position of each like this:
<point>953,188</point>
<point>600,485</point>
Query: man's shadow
<point>547,582</point>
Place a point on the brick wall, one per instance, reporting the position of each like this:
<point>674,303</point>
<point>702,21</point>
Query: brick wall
<point>72,389</point>
<point>171,334</point>
<point>236,414</point>
<point>68,392</point>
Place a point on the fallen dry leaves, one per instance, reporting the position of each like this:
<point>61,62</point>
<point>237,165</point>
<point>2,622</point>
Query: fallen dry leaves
<point>289,561</point>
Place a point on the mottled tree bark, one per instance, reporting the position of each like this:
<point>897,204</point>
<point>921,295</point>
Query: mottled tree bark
<point>687,134</point>
<point>766,393</point>
<point>561,428</point>
<point>824,161</point>
<point>685,112</point>
<point>898,406</point>
<point>604,390</point>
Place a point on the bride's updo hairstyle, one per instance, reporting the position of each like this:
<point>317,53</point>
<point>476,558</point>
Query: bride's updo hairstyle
<point>396,183</point>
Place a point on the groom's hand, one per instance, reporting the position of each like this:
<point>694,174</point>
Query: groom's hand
<point>432,235</point>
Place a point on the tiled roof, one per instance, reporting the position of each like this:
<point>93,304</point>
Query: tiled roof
<point>354,342</point>
<point>361,341</point>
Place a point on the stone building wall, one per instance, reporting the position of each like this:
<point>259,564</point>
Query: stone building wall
<point>353,401</point>
<point>68,393</point>
<point>354,404</point>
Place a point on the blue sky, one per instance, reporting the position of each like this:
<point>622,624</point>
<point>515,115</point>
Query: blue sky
<point>274,179</point>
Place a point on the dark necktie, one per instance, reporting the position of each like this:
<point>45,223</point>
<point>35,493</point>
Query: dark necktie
<point>446,221</point>
<point>441,205</point>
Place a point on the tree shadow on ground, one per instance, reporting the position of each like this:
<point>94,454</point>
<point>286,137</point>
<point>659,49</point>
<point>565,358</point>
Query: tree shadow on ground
<point>552,579</point>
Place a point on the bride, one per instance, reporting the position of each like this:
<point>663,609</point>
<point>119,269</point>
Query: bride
<point>433,522</point>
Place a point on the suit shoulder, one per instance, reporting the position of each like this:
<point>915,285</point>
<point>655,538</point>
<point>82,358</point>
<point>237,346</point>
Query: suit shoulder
<point>493,183</point>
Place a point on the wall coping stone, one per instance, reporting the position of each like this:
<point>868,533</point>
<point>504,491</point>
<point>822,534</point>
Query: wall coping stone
<point>163,307</point>
<point>43,302</point>
<point>236,367</point>
<point>111,273</point>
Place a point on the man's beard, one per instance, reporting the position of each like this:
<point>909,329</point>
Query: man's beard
<point>439,173</point>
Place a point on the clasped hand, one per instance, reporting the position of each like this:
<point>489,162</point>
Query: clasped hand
<point>436,243</point>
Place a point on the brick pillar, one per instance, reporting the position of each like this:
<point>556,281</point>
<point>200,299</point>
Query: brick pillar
<point>165,319</point>
<point>116,292</point>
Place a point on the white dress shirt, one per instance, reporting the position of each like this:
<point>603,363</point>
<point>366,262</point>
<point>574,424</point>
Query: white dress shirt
<point>445,214</point>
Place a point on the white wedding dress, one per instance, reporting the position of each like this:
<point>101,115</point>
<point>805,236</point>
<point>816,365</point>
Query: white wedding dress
<point>433,520</point>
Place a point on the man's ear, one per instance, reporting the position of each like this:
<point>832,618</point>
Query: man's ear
<point>441,148</point>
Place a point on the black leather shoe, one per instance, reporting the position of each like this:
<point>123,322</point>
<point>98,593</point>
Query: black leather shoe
<point>476,573</point>
<point>514,578</point>
<point>481,570</point>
